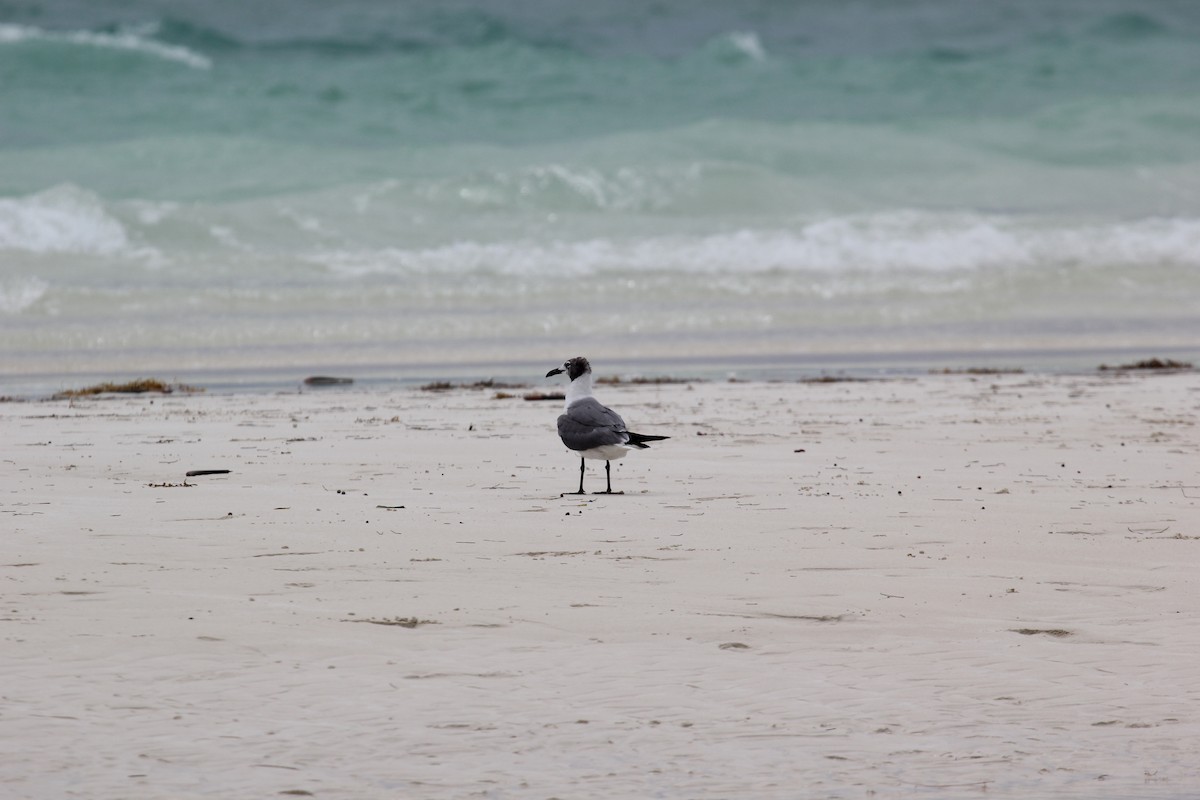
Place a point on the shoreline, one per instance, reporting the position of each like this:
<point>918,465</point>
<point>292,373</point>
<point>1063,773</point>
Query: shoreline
<point>800,366</point>
<point>956,583</point>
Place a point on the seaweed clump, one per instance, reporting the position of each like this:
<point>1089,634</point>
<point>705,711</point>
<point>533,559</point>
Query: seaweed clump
<point>980,371</point>
<point>446,386</point>
<point>664,380</point>
<point>140,386</point>
<point>1149,364</point>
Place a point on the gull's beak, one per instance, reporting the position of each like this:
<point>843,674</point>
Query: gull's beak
<point>558,371</point>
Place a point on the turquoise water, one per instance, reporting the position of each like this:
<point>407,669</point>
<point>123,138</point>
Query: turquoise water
<point>215,188</point>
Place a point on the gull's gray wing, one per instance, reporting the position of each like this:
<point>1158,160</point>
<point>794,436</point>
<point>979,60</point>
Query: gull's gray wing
<point>587,424</point>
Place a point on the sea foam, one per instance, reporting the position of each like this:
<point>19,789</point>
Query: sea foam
<point>18,295</point>
<point>900,242</point>
<point>64,219</point>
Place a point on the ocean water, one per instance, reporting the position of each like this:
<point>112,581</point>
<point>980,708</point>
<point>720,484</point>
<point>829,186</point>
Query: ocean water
<point>210,190</point>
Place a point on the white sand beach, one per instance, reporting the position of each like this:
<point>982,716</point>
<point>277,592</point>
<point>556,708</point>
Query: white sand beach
<point>948,586</point>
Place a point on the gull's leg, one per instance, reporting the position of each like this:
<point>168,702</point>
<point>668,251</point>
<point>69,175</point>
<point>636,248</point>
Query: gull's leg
<point>608,479</point>
<point>581,466</point>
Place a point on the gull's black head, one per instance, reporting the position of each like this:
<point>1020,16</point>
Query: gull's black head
<point>574,368</point>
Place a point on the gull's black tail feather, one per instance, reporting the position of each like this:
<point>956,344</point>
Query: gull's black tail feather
<point>639,440</point>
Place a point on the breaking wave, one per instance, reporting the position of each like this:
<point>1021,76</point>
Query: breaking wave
<point>139,39</point>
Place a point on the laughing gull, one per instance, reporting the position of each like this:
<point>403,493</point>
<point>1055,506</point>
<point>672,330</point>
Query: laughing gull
<point>590,429</point>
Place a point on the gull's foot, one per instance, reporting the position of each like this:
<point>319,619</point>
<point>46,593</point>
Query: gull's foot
<point>610,491</point>
<point>564,494</point>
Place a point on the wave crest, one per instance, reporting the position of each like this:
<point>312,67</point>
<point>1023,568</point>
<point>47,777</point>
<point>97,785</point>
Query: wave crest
<point>137,40</point>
